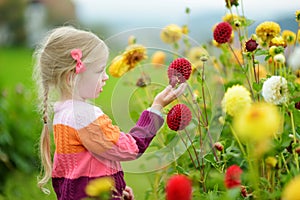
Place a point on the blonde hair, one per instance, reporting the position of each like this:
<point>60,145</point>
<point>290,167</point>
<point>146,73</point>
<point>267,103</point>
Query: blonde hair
<point>53,65</point>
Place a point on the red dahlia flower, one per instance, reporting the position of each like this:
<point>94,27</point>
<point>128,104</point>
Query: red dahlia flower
<point>179,117</point>
<point>222,32</point>
<point>179,71</point>
<point>251,45</point>
<point>233,177</point>
<point>179,187</point>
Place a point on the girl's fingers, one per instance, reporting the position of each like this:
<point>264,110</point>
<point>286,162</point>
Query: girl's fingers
<point>174,93</point>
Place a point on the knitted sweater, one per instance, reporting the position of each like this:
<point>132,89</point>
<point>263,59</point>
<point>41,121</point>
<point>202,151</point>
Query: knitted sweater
<point>88,146</point>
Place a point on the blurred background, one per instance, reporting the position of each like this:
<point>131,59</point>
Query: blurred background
<point>24,22</point>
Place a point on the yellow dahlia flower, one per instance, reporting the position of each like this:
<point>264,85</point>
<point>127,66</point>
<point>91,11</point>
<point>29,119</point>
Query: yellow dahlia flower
<point>297,16</point>
<point>289,37</point>
<point>158,58</point>
<point>258,123</point>
<point>235,100</point>
<point>171,34</point>
<point>271,161</point>
<point>278,41</point>
<point>134,54</point>
<point>297,80</point>
<point>195,56</point>
<point>291,190</point>
<point>118,67</point>
<point>98,186</point>
<point>267,30</point>
<point>185,29</point>
<point>232,19</point>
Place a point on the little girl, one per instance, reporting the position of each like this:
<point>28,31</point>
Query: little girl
<point>71,64</point>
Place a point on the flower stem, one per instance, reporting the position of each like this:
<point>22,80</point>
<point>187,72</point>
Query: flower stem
<point>238,141</point>
<point>248,81</point>
<point>190,155</point>
<point>284,163</point>
<point>295,140</point>
<point>253,168</point>
<point>196,104</point>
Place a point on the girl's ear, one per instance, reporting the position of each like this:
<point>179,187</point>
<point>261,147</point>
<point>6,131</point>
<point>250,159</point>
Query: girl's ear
<point>70,78</point>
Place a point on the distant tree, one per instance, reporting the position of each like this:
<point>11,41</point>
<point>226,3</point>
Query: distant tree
<point>12,17</point>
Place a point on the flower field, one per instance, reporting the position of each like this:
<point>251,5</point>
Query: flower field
<point>235,132</point>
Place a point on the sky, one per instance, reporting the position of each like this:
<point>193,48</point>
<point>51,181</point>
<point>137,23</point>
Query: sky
<point>164,10</point>
<point>120,15</point>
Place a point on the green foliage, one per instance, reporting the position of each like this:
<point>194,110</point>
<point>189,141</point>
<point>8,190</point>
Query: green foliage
<point>21,185</point>
<point>19,130</point>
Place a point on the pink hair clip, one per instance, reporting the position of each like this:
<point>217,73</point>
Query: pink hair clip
<point>76,55</point>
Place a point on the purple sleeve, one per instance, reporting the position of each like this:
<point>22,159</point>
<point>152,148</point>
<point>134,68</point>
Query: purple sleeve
<point>145,129</point>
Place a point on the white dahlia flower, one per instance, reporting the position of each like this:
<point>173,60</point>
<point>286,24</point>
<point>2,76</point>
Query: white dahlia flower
<point>275,90</point>
<point>293,60</point>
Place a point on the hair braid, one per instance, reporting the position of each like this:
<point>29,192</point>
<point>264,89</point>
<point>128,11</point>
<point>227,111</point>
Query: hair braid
<point>45,144</point>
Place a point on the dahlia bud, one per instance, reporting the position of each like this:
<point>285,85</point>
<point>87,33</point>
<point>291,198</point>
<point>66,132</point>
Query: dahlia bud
<point>297,105</point>
<point>251,45</point>
<point>204,58</point>
<point>179,71</point>
<point>232,3</point>
<point>297,16</point>
<point>222,32</point>
<point>131,40</point>
<point>280,58</point>
<point>297,150</point>
<point>271,162</point>
<point>179,117</point>
<point>219,146</point>
<point>237,23</point>
<point>244,191</point>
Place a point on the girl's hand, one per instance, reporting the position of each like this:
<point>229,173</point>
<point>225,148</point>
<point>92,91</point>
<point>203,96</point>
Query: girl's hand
<point>168,95</point>
<point>128,193</point>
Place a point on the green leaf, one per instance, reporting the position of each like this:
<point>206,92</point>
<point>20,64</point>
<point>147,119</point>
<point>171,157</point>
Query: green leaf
<point>182,170</point>
<point>257,86</point>
<point>267,57</point>
<point>260,52</point>
<point>187,10</point>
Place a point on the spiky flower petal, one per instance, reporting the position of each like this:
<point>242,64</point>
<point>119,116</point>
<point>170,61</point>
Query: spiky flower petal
<point>179,117</point>
<point>222,32</point>
<point>179,71</point>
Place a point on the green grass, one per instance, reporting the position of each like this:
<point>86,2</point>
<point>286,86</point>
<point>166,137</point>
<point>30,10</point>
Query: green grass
<point>16,66</point>
<point>23,186</point>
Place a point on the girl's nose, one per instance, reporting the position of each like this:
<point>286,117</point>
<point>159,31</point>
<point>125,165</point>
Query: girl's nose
<point>105,77</point>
